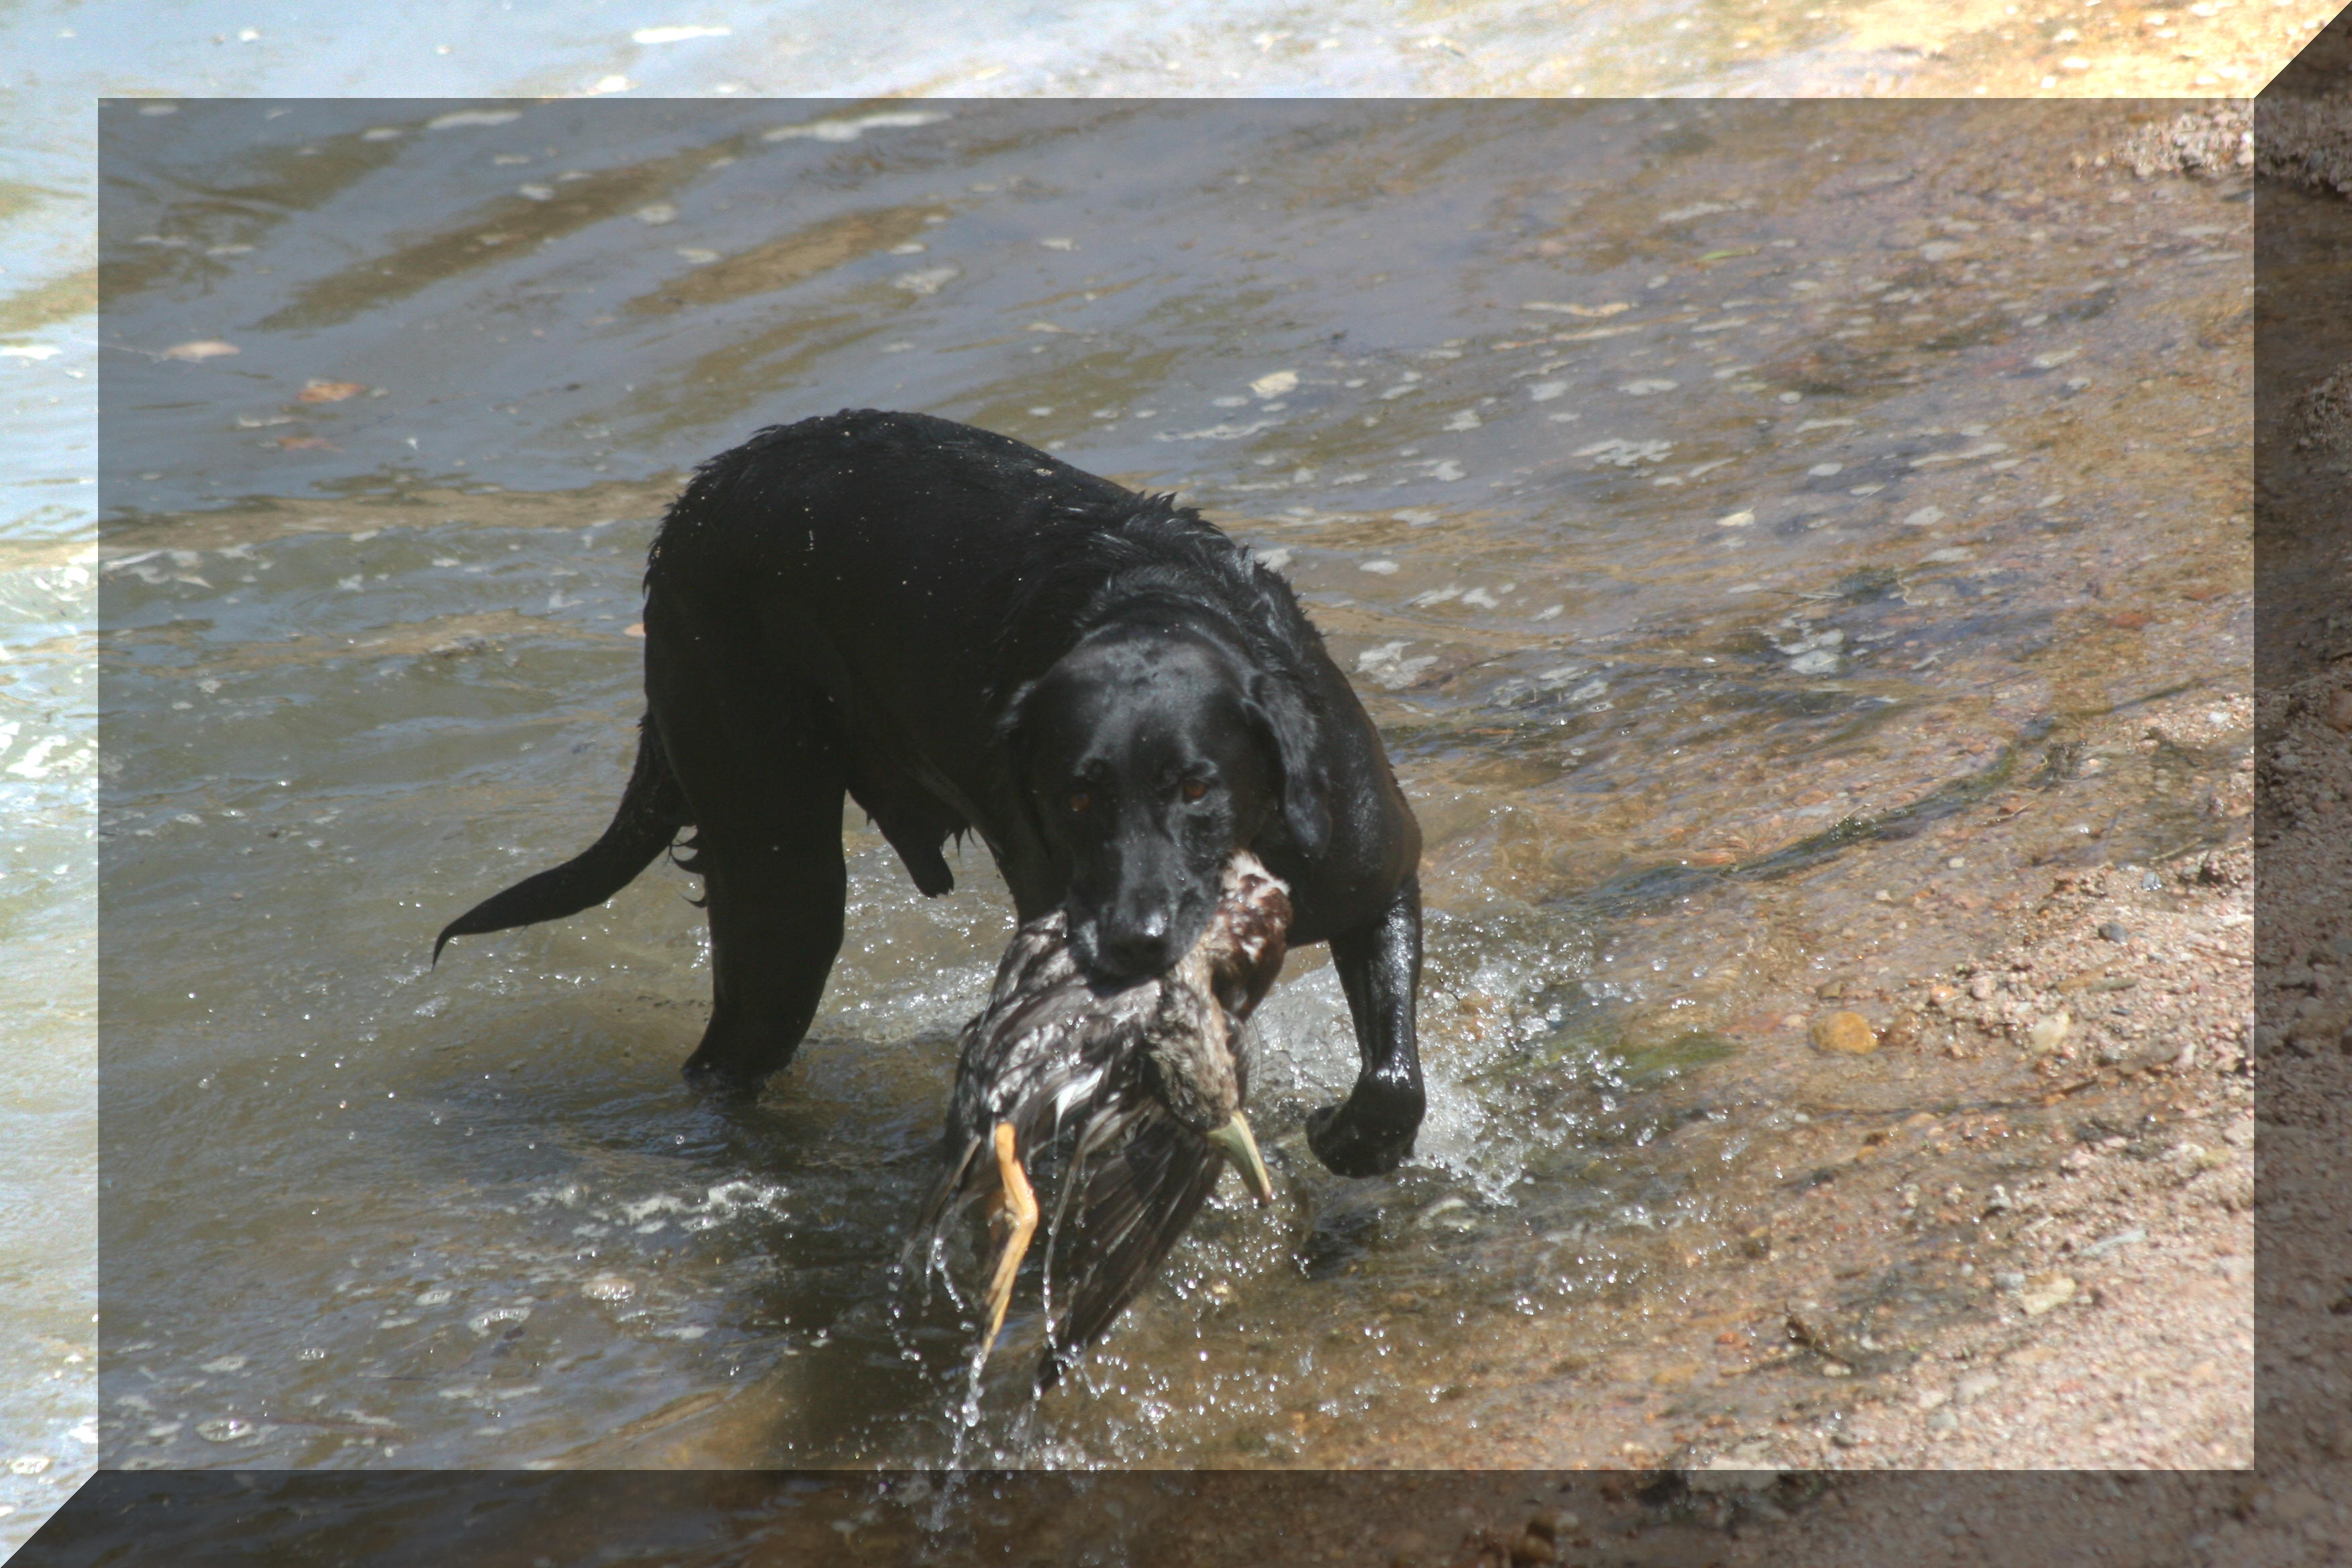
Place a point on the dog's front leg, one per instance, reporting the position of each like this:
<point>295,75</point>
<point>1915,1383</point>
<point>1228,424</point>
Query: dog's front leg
<point>1371,1133</point>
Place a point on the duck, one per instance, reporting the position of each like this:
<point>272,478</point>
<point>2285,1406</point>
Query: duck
<point>1147,1081</point>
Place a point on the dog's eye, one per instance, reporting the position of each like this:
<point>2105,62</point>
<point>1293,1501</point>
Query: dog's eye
<point>1195,788</point>
<point>1080,800</point>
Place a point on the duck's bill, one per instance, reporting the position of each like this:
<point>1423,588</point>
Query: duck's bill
<point>1234,1140</point>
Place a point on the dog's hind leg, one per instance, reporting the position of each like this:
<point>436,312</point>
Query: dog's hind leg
<point>760,760</point>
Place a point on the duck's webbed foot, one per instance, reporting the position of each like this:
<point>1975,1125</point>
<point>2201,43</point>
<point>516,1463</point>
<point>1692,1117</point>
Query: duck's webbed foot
<point>1014,1222</point>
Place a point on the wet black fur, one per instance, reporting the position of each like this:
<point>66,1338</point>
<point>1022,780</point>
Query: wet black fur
<point>966,635</point>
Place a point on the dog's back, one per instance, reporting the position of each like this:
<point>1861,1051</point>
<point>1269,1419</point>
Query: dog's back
<point>902,540</point>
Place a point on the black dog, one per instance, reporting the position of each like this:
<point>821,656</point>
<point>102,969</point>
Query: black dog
<point>968,636</point>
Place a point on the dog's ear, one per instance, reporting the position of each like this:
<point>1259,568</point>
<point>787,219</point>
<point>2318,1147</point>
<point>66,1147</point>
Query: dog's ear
<point>1009,721</point>
<point>1279,712</point>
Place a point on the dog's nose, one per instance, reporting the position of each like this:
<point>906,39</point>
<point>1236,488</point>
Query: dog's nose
<point>1139,947</point>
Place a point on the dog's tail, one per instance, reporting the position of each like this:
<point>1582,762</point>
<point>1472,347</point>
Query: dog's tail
<point>652,810</point>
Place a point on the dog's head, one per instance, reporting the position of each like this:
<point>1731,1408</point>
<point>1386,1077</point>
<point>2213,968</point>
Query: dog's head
<point>1148,757</point>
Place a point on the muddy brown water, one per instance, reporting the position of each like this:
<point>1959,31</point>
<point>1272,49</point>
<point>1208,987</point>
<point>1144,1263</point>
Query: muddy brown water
<point>1728,513</point>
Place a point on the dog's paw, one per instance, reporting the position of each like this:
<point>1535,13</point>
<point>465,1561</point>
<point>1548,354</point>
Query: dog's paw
<point>1350,1143</point>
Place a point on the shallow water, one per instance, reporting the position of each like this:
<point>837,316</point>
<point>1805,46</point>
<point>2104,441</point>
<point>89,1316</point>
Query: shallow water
<point>1725,512</point>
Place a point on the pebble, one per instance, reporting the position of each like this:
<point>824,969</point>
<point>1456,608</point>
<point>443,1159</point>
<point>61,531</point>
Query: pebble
<point>2121,1238</point>
<point>1974,1386</point>
<point>1847,1032</point>
<point>2339,712</point>
<point>2046,1036</point>
<point>2046,1293</point>
<point>2114,931</point>
<point>1942,1421</point>
<point>1744,1471</point>
<point>1532,1548</point>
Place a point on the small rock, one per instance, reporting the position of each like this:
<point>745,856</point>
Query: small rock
<point>1942,1420</point>
<point>1903,1034</point>
<point>2100,1248</point>
<point>1975,1386</point>
<point>2114,931</point>
<point>1737,1472</point>
<point>1532,1548</point>
<point>1847,1032</point>
<point>2042,1294</point>
<point>2044,1036</point>
<point>2339,711</point>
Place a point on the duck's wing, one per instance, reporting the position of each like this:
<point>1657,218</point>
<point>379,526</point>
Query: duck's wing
<point>1046,1054</point>
<point>963,1157</point>
<point>1034,1056</point>
<point>1135,1199</point>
